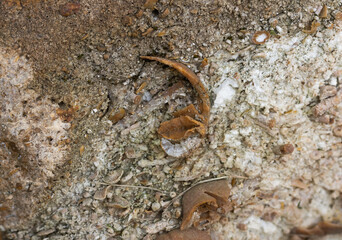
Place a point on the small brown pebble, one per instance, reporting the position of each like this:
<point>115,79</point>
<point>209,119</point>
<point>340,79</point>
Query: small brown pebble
<point>69,8</point>
<point>101,48</point>
<point>118,116</point>
<point>147,32</point>
<point>139,13</point>
<point>269,216</point>
<point>150,4</point>
<point>286,148</point>
<point>327,91</point>
<point>106,56</point>
<point>242,226</point>
<point>165,13</point>
<point>338,16</point>
<point>127,20</point>
<point>337,131</point>
<point>326,119</point>
<point>271,123</point>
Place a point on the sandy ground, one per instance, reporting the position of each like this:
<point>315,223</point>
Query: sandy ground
<point>69,170</point>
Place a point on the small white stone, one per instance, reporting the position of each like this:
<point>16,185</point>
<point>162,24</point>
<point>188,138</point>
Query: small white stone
<point>155,206</point>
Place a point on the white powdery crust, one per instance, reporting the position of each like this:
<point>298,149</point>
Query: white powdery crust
<point>281,80</point>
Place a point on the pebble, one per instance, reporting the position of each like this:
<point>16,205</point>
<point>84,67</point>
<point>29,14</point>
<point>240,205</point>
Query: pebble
<point>155,206</point>
<point>45,232</point>
<point>101,194</point>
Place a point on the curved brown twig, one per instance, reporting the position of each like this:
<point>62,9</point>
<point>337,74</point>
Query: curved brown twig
<point>193,79</point>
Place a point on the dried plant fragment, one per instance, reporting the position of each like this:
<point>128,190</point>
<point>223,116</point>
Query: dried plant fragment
<point>188,234</point>
<point>185,125</point>
<point>190,111</point>
<point>313,27</point>
<point>324,12</point>
<point>114,177</point>
<point>193,79</point>
<point>180,128</point>
<point>119,203</point>
<point>69,8</point>
<point>101,194</point>
<point>321,229</point>
<point>142,86</point>
<point>68,114</point>
<point>118,115</point>
<point>204,197</point>
<point>260,37</point>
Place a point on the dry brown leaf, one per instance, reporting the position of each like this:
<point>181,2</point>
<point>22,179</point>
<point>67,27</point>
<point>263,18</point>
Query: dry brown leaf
<point>204,197</point>
<point>180,128</point>
<point>188,234</point>
<point>190,111</point>
<point>321,229</point>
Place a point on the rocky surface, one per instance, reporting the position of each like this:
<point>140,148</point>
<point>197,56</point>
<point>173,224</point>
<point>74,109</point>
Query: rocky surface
<point>69,170</point>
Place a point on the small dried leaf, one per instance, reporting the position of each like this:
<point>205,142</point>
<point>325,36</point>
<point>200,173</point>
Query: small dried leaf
<point>119,203</point>
<point>114,177</point>
<point>321,229</point>
<point>101,194</point>
<point>180,128</point>
<point>324,12</point>
<point>212,194</point>
<point>313,28</point>
<point>188,234</point>
<point>190,111</point>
